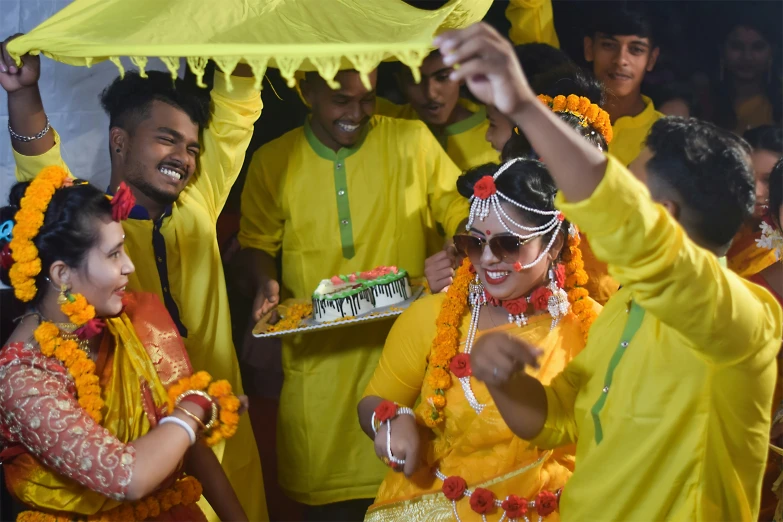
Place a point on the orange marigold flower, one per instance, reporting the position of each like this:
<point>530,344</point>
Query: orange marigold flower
<point>200,380</point>
<point>559,103</point>
<point>439,401</point>
<point>219,388</point>
<point>440,379</point>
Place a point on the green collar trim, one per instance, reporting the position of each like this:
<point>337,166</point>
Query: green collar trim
<point>327,153</point>
<point>474,120</point>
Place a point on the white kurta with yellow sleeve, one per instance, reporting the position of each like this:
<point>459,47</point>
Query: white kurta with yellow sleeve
<point>177,257</point>
<point>336,213</point>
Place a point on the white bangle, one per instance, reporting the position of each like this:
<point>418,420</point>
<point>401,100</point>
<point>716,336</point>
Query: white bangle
<point>372,424</point>
<point>400,411</point>
<point>182,424</point>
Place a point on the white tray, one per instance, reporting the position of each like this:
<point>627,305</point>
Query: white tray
<point>308,323</point>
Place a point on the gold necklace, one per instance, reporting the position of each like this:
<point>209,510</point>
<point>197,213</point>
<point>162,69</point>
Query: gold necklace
<point>67,332</point>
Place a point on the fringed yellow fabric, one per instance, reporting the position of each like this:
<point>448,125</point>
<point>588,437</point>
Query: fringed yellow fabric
<point>290,35</point>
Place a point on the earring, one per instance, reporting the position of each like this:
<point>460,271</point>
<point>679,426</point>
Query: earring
<point>557,306</point>
<point>476,294</point>
<point>63,297</point>
<point>117,150</point>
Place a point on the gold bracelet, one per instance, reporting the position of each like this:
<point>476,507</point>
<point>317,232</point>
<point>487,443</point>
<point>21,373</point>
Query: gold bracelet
<point>193,416</point>
<point>214,416</point>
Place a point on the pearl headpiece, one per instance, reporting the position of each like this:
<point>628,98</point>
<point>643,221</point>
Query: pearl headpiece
<point>487,197</point>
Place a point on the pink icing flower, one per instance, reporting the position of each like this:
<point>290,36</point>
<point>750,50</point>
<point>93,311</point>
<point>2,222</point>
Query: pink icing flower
<point>352,278</point>
<point>336,280</point>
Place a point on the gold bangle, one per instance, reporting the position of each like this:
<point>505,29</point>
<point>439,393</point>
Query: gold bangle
<point>193,416</point>
<point>214,416</point>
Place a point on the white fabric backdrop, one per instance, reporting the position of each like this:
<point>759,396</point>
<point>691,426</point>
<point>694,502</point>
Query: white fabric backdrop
<point>70,96</point>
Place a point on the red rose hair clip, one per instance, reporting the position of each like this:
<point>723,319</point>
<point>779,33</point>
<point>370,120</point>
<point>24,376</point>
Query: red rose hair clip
<point>122,203</point>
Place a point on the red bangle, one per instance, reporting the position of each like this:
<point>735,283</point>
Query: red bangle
<point>202,402</point>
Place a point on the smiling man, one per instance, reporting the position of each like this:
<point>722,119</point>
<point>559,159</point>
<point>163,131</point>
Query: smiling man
<point>458,124</point>
<point>622,49</point>
<point>180,149</point>
<point>344,193</point>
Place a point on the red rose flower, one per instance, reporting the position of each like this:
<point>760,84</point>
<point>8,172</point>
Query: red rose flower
<point>482,501</point>
<point>546,503</point>
<point>122,203</point>
<point>385,410</point>
<point>560,216</point>
<point>516,306</point>
<point>484,187</point>
<point>6,259</point>
<point>454,487</point>
<point>460,365</point>
<point>491,300</point>
<point>540,297</point>
<point>560,275</point>
<point>514,506</point>
<point>92,328</point>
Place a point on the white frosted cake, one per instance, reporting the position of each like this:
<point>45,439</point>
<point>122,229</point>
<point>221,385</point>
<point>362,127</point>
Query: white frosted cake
<point>359,293</point>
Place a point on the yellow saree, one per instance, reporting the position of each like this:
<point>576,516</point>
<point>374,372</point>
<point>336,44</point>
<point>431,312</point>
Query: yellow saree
<point>480,448</point>
<point>141,354</point>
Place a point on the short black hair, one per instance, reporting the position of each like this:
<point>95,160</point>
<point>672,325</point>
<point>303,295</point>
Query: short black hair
<point>69,228</point>
<point>127,99</point>
<point>526,181</point>
<point>709,169</point>
<point>776,192</point>
<point>564,80</point>
<point>765,137</point>
<point>623,19</point>
<point>538,58</point>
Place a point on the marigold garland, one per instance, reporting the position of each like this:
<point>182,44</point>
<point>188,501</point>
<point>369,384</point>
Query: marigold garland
<point>292,318</point>
<point>79,365</point>
<point>221,392</point>
<point>445,345</point>
<point>576,278</point>
<point>30,219</point>
<point>184,492</point>
<point>588,112</point>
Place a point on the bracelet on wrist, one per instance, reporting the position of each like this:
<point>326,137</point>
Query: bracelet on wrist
<point>182,424</point>
<point>387,411</point>
<point>201,399</point>
<point>28,139</point>
<point>193,416</point>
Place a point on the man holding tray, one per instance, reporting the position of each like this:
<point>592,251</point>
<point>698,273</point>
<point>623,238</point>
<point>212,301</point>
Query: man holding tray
<point>344,193</point>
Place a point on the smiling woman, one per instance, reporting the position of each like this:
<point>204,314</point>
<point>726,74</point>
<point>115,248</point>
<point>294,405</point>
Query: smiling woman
<point>84,350</point>
<point>511,281</point>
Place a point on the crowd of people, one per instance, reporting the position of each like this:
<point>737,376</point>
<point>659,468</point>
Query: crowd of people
<point>599,337</point>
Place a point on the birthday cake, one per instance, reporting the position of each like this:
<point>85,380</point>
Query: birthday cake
<point>360,293</point>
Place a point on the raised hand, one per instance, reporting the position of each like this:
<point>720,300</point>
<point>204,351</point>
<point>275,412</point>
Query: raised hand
<point>13,78</point>
<point>439,269</point>
<point>486,61</point>
<point>497,356</point>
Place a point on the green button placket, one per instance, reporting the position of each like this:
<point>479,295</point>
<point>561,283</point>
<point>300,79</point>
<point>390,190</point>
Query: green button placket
<point>635,317</point>
<point>343,208</point>
<point>339,169</point>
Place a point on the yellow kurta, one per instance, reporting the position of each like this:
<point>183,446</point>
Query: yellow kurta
<point>336,213</point>
<point>685,423</point>
<point>177,258</point>
<point>531,21</point>
<point>479,448</point>
<point>630,133</point>
<point>464,141</point>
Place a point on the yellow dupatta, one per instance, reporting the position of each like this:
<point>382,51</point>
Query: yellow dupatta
<point>128,371</point>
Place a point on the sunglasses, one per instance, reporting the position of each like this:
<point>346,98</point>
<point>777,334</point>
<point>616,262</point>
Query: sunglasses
<point>504,248</point>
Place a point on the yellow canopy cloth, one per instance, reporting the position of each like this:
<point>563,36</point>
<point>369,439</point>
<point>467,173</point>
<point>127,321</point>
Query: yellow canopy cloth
<point>290,35</point>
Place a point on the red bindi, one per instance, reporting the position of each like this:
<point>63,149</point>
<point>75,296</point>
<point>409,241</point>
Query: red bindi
<point>489,233</point>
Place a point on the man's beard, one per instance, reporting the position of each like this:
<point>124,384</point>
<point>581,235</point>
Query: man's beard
<point>135,177</point>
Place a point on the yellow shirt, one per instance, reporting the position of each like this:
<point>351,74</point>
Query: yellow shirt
<point>336,213</point>
<point>675,427</point>
<point>465,141</point>
<point>531,21</point>
<point>177,258</point>
<point>630,133</point>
